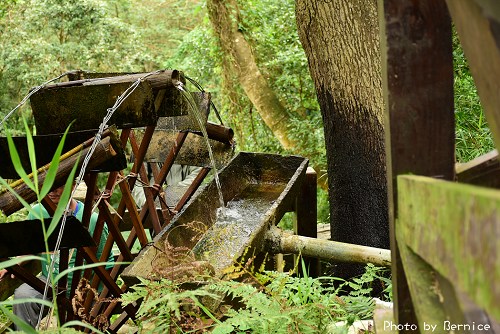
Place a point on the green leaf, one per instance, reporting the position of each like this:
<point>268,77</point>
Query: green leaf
<point>16,162</point>
<point>63,200</point>
<point>31,154</point>
<point>26,328</point>
<point>27,300</point>
<point>54,164</point>
<point>17,260</point>
<point>81,324</point>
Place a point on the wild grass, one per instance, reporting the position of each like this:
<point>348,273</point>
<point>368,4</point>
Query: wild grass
<point>252,300</point>
<point>473,135</point>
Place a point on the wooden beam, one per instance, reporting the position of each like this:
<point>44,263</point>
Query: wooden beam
<point>194,151</point>
<point>456,229</point>
<point>306,222</point>
<point>45,146</point>
<point>417,78</point>
<point>88,105</point>
<point>482,171</point>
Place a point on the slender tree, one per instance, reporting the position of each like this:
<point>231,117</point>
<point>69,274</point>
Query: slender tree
<point>224,15</point>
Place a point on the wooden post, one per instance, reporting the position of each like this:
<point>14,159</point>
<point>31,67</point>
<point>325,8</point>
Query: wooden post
<point>306,223</point>
<point>417,76</point>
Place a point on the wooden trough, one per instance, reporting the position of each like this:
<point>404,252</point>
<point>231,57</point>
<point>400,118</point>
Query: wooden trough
<point>258,189</point>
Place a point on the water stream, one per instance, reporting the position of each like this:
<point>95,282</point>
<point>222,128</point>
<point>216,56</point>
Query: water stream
<point>195,113</point>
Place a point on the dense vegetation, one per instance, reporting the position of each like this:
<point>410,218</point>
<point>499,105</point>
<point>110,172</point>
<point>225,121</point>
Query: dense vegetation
<point>40,39</point>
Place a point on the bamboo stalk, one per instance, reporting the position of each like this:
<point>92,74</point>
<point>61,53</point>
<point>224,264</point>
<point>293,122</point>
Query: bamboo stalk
<point>282,242</point>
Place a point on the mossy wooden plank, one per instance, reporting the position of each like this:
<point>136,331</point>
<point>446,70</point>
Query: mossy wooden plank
<point>87,106</point>
<point>429,297</point>
<point>186,120</point>
<point>478,26</point>
<point>456,229</point>
<point>194,151</point>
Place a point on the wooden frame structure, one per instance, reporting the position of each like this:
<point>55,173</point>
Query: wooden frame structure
<point>156,129</point>
<point>444,235</point>
<point>87,100</point>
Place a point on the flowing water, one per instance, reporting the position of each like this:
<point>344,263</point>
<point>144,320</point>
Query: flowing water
<point>237,224</point>
<point>195,113</point>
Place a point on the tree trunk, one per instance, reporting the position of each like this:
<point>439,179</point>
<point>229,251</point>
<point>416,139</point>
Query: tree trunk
<point>341,40</point>
<point>224,16</point>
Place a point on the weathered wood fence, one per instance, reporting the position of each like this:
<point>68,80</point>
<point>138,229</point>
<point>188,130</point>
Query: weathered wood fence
<point>445,234</point>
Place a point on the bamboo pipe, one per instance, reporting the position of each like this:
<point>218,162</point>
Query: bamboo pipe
<point>218,132</point>
<point>282,242</point>
<point>104,151</point>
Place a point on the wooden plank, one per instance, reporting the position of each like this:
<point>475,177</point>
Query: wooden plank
<point>482,171</point>
<point>175,110</point>
<point>478,26</point>
<point>426,290</point>
<point>456,229</point>
<point>8,284</point>
<point>88,105</point>
<point>26,237</point>
<point>417,78</point>
<point>194,151</point>
<point>103,152</point>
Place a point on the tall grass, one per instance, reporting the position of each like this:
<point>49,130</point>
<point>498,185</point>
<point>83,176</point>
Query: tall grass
<point>473,136</point>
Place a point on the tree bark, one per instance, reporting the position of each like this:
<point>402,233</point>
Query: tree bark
<point>341,41</point>
<point>224,16</point>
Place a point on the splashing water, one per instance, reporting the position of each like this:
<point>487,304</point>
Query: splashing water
<point>194,112</point>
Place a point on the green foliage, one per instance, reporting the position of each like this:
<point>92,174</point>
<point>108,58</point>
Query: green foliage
<point>44,38</point>
<point>473,136</point>
<point>273,303</point>
<point>41,191</point>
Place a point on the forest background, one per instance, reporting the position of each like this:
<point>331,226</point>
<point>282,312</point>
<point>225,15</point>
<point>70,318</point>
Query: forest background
<point>41,39</point>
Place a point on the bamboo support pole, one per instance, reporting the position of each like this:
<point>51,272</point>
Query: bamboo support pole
<point>282,242</point>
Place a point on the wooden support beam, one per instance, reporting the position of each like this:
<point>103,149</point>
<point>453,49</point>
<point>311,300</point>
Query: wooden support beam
<point>306,222</point>
<point>283,242</point>
<point>194,151</point>
<point>45,146</point>
<point>417,77</point>
<point>8,284</point>
<point>482,171</point>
